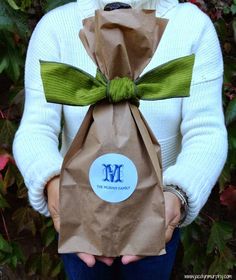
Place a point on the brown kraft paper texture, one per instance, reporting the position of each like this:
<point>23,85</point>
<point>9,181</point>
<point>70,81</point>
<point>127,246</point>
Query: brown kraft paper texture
<point>136,225</point>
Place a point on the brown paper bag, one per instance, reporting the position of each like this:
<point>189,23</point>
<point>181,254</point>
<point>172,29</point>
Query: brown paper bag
<point>111,198</point>
<point>122,42</point>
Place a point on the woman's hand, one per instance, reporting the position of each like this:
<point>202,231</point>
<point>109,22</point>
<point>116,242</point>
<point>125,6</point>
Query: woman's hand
<point>52,188</point>
<point>53,207</point>
<point>173,213</point>
<point>90,260</point>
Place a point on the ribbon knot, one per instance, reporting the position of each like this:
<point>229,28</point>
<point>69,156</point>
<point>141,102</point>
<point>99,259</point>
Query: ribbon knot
<point>120,89</point>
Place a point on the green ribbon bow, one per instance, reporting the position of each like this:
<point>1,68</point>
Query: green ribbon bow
<point>66,84</point>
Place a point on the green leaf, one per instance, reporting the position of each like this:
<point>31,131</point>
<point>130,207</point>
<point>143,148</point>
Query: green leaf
<point>234,28</point>
<point>199,265</point>
<point>194,256</point>
<point>1,183</point>
<point>14,261</point>
<point>223,263</point>
<point>25,219</point>
<point>3,202</point>
<point>39,264</point>
<point>229,69</point>
<point>190,234</point>
<point>232,145</point>
<point>3,64</point>
<point>193,243</point>
<point>224,177</point>
<point>6,22</point>
<point>7,132</point>
<point>12,3</point>
<point>233,9</point>
<point>21,188</point>
<point>13,20</point>
<point>25,4</point>
<point>17,254</point>
<point>46,264</point>
<point>22,191</point>
<point>228,259</point>
<point>221,232</point>
<point>48,222</point>
<point>221,28</point>
<point>226,10</point>
<point>9,178</point>
<point>18,251</point>
<point>230,115</point>
<point>216,266</point>
<point>56,269</point>
<point>33,264</point>
<point>49,235</point>
<point>56,3</point>
<point>4,245</point>
<point>11,52</point>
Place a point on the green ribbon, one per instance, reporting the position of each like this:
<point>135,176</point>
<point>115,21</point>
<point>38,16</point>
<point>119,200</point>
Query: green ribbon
<point>66,84</point>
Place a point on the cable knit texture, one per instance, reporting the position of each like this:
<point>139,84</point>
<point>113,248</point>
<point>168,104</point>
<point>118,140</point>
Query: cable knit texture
<point>191,130</point>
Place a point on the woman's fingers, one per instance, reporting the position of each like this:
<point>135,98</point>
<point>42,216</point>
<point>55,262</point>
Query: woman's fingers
<point>87,258</point>
<point>172,210</point>
<point>90,260</point>
<point>53,201</point>
<point>169,232</point>
<point>55,218</point>
<point>108,261</point>
<point>129,259</point>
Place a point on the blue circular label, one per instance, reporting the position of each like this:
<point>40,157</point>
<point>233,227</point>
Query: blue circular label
<point>113,177</point>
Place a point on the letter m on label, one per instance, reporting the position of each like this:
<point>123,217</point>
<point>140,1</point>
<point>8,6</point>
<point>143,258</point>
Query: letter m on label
<point>113,173</point>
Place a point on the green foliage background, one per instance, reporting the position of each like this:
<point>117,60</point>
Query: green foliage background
<point>27,240</point>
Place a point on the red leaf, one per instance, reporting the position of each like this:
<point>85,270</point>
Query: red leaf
<point>228,197</point>
<point>4,159</point>
<point>195,2</point>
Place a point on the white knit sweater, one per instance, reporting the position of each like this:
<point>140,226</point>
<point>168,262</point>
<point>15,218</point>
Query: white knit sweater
<point>191,130</point>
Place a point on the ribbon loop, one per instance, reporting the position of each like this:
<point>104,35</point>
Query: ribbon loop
<point>120,89</point>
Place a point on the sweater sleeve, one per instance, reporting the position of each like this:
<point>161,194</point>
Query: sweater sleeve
<point>35,146</point>
<point>204,139</point>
